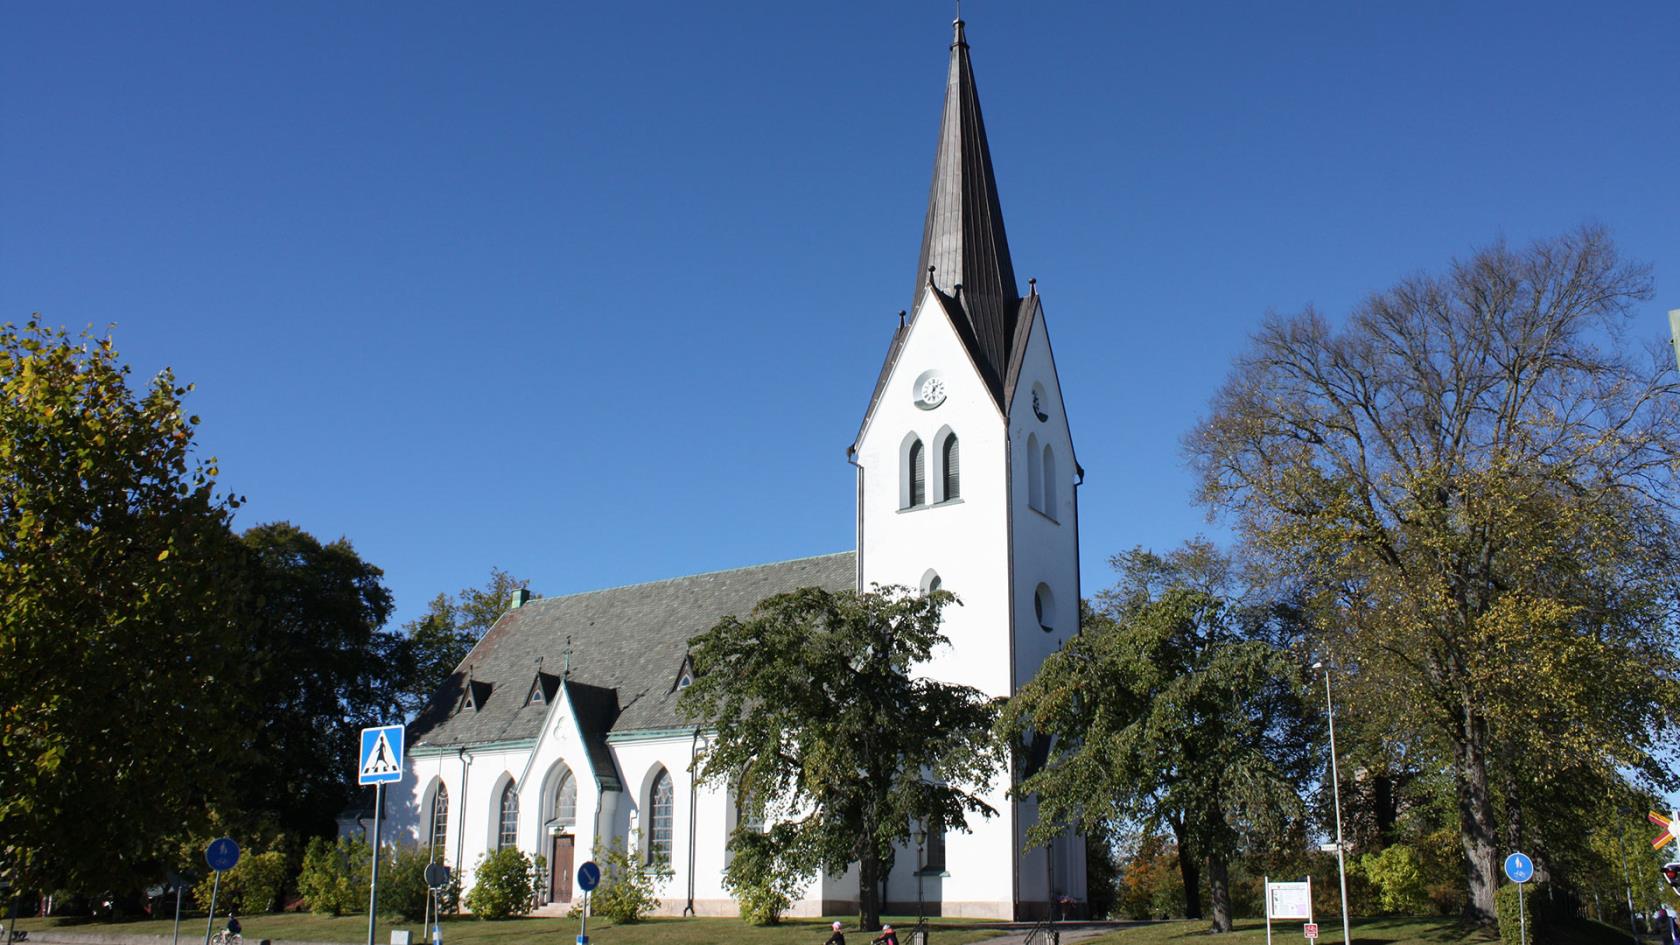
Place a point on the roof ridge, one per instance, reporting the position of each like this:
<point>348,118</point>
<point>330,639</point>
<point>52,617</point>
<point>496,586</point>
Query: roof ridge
<point>537,602</point>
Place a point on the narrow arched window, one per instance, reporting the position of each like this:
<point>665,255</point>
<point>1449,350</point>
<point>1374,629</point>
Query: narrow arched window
<point>440,821</point>
<point>1049,482</point>
<point>661,806</point>
<point>918,474</point>
<point>507,830</point>
<point>1035,474</point>
<point>565,800</point>
<point>1044,607</point>
<point>933,850</point>
<point>949,464</point>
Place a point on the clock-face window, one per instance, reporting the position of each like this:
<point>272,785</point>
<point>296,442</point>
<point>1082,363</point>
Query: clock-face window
<point>929,390</point>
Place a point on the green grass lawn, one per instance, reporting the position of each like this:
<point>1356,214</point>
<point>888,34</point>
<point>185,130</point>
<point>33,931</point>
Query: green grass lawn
<point>1401,930</point>
<point>303,927</point>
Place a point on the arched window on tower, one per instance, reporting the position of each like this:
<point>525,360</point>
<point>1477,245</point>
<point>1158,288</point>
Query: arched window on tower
<point>950,471</point>
<point>1035,474</point>
<point>916,471</point>
<point>661,807</point>
<point>507,830</point>
<point>440,821</point>
<point>1049,506</point>
<point>1044,608</point>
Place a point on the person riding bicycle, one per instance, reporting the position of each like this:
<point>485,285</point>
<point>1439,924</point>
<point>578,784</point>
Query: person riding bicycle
<point>838,938</point>
<point>887,937</point>
<point>233,927</point>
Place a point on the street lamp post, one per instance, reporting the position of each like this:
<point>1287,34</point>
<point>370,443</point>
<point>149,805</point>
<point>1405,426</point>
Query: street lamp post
<point>1336,792</point>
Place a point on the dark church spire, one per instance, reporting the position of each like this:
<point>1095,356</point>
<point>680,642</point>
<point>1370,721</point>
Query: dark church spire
<point>963,238</point>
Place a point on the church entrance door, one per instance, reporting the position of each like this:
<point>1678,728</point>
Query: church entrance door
<point>560,871</point>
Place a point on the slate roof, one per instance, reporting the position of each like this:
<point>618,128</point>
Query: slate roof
<point>627,645</point>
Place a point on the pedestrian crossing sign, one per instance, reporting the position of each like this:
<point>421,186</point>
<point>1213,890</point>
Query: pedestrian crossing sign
<point>381,756</point>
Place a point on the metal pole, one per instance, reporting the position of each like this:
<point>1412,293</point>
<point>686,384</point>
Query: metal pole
<point>373,874</point>
<point>1522,917</point>
<point>177,940</point>
<point>215,887</point>
<point>583,934</point>
<point>1336,790</point>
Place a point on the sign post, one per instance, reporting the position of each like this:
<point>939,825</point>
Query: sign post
<point>589,876</point>
<point>1519,869</point>
<point>437,877</point>
<point>378,763</point>
<point>1289,901</point>
<point>222,854</point>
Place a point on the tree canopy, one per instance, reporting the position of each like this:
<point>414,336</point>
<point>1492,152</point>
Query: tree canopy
<point>1476,477</point>
<point>1176,708</point>
<point>440,638</point>
<point>817,714</point>
<point>120,603</point>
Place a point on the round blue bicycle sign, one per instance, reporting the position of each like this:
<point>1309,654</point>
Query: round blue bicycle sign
<point>1519,868</point>
<point>222,855</point>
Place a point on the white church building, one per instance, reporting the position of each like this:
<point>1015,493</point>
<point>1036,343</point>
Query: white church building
<point>560,731</point>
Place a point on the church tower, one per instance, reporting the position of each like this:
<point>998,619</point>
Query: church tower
<point>966,482</point>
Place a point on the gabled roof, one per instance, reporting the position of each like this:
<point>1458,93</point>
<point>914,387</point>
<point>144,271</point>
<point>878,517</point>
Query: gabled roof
<point>963,238</point>
<point>625,644</point>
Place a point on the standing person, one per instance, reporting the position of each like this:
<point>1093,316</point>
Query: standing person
<point>836,938</point>
<point>887,937</point>
<point>1665,925</point>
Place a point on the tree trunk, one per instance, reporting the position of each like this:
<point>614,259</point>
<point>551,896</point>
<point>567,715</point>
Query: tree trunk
<point>869,889</point>
<point>1219,891</point>
<point>1475,819</point>
<point>1187,868</point>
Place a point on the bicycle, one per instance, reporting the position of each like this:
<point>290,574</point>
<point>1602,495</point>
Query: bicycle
<point>224,937</point>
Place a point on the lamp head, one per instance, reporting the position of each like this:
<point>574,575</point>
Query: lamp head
<point>1318,665</point>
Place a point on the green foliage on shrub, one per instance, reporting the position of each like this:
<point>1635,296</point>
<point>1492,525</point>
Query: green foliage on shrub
<point>334,879</point>
<point>402,883</point>
<point>763,882</point>
<point>253,885</point>
<point>1505,905</point>
<point>504,885</point>
<point>626,893</point>
<point>1397,874</point>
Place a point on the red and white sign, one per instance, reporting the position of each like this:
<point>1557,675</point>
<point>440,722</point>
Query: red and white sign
<point>1312,930</point>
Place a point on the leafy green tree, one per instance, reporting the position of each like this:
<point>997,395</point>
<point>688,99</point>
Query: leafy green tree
<point>438,640</point>
<point>629,884</point>
<point>816,710</point>
<point>1476,480</point>
<point>319,668</point>
<point>120,694</point>
<point>1173,709</point>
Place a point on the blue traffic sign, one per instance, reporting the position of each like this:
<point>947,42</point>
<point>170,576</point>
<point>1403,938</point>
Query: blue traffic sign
<point>1519,868</point>
<point>222,854</point>
<point>381,759</point>
<point>589,876</point>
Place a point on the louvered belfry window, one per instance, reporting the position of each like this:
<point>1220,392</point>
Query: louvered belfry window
<point>918,474</point>
<point>951,463</point>
<point>660,808</point>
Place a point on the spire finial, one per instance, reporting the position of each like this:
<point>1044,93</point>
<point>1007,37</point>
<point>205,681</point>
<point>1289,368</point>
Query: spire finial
<point>566,672</point>
<point>957,38</point>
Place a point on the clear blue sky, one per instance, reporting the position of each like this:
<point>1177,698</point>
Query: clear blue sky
<point>596,293</point>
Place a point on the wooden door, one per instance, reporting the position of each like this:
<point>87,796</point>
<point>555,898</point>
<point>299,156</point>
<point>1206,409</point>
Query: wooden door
<point>560,871</point>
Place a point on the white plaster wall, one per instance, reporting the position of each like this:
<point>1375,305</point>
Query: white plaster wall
<point>966,542</point>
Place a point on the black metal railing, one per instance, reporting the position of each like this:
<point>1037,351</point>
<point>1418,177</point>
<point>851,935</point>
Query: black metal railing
<point>1044,933</point>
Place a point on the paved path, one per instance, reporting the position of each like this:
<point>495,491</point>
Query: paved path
<point>1067,931</point>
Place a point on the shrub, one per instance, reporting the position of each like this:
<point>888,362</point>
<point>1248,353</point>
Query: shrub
<point>504,885</point>
<point>334,879</point>
<point>762,879</point>
<point>253,885</point>
<point>626,893</point>
<point>402,883</point>
<point>1397,874</point>
<point>1505,906</point>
